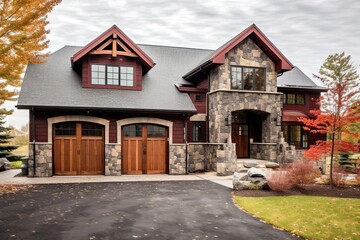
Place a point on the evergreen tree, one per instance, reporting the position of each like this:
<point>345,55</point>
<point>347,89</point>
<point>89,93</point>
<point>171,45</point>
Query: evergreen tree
<point>5,138</point>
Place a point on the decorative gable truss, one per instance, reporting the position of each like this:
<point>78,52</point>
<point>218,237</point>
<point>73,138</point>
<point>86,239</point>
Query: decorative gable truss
<point>115,47</point>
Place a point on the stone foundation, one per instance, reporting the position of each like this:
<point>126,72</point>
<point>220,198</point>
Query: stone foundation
<point>112,160</point>
<point>43,160</point>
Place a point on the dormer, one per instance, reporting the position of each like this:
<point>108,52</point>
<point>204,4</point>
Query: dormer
<point>112,60</point>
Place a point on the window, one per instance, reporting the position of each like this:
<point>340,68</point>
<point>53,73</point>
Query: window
<point>198,131</point>
<point>294,98</point>
<point>154,131</point>
<point>296,135</point>
<point>91,129</point>
<point>134,130</point>
<point>248,78</point>
<point>112,75</point>
<point>65,129</point>
<point>198,98</point>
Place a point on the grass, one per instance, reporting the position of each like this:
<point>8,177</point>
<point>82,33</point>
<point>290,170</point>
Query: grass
<point>16,164</point>
<point>308,216</point>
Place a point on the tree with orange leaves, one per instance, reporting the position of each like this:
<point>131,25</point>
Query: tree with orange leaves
<point>22,38</point>
<point>340,107</point>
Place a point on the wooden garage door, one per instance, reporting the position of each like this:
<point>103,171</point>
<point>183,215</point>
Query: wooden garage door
<point>78,148</point>
<point>144,149</point>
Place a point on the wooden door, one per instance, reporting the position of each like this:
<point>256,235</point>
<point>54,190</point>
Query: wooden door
<point>78,148</point>
<point>240,136</point>
<point>144,149</point>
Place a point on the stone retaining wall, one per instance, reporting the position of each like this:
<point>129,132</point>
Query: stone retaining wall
<point>112,160</point>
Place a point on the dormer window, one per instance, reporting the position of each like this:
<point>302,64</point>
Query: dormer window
<point>112,75</point>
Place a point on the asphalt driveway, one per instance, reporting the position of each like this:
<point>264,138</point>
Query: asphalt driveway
<point>131,210</point>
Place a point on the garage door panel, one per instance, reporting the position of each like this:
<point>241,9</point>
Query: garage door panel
<point>79,154</point>
<point>66,158</point>
<point>144,149</point>
<point>156,155</point>
<point>132,149</point>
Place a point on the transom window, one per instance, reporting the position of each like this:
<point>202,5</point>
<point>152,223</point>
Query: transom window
<point>296,135</point>
<point>248,78</point>
<point>112,75</point>
<point>294,98</point>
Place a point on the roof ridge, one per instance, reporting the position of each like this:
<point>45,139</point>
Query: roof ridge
<point>193,48</point>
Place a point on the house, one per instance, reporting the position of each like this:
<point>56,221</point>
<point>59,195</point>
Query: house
<point>115,107</point>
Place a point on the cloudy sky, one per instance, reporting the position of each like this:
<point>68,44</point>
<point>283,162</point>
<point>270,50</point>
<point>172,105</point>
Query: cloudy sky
<point>306,31</point>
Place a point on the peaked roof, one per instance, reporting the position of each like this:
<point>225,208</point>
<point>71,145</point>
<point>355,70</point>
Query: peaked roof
<point>114,32</point>
<point>282,64</point>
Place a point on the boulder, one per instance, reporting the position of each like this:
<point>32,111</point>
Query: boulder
<point>244,182</point>
<point>4,164</point>
<point>255,172</point>
<point>250,164</point>
<point>272,165</point>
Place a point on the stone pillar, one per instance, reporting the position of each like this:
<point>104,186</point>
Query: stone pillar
<point>112,159</point>
<point>177,159</point>
<point>43,160</point>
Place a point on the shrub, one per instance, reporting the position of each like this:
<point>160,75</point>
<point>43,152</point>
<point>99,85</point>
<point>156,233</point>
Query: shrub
<point>338,179</point>
<point>303,172</point>
<point>280,180</point>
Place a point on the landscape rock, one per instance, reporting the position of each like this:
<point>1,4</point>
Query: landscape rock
<point>250,164</point>
<point>272,165</point>
<point>4,164</point>
<point>245,185</point>
<point>244,182</point>
<point>255,172</point>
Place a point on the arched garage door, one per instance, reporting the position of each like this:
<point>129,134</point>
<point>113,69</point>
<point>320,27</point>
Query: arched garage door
<point>78,148</point>
<point>144,149</point>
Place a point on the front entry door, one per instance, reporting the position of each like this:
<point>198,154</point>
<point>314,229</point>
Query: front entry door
<point>240,136</point>
<point>144,149</point>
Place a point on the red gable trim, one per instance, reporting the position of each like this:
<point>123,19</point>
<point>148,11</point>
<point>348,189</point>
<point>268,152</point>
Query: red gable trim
<point>281,62</point>
<point>108,33</point>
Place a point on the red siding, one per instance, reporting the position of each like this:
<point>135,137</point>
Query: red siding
<point>204,84</point>
<point>199,105</point>
<point>118,61</point>
<point>41,125</point>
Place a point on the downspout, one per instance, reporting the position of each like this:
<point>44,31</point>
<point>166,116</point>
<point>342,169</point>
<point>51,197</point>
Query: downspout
<point>33,140</point>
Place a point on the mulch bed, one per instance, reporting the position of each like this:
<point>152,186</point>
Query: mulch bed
<point>307,190</point>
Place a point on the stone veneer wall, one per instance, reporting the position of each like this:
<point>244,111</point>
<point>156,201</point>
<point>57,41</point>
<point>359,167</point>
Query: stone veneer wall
<point>112,159</point>
<point>44,165</point>
<point>203,156</point>
<point>222,103</point>
<point>266,151</point>
<point>246,53</point>
<point>177,159</point>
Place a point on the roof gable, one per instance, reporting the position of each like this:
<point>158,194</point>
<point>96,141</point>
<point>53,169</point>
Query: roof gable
<point>114,42</point>
<point>282,64</point>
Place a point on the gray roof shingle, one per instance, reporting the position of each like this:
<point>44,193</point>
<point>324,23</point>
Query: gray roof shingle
<point>55,84</point>
<point>295,78</point>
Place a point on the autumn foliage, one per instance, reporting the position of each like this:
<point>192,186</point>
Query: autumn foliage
<point>22,38</point>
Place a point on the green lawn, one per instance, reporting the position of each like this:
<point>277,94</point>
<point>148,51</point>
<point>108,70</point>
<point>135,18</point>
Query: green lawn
<point>308,216</point>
